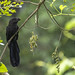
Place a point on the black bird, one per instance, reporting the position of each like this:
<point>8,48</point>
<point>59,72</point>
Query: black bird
<point>13,46</point>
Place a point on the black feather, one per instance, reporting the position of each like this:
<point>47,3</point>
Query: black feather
<point>13,46</point>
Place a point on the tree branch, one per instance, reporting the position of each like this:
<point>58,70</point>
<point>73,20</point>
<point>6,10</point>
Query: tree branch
<point>39,5</point>
<point>52,17</point>
<point>30,2</point>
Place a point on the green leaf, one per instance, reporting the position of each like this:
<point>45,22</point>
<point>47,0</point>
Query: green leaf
<point>13,11</point>
<point>72,10</point>
<point>8,2</point>
<point>1,41</point>
<point>8,14</point>
<point>14,3</point>
<point>61,7</point>
<point>70,26</point>
<point>21,3</point>
<point>64,0</point>
<point>0,2</point>
<point>39,63</point>
<point>3,68</point>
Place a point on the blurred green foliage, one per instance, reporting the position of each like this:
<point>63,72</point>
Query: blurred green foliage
<point>70,26</point>
<point>41,63</point>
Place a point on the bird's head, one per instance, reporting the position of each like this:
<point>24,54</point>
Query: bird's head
<point>14,21</point>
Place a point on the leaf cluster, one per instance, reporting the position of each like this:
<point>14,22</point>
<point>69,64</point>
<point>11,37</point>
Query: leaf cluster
<point>57,60</point>
<point>7,7</point>
<point>32,41</point>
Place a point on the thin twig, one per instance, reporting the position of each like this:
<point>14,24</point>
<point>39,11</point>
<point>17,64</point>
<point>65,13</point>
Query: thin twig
<point>52,17</point>
<point>46,28</point>
<point>64,14</point>
<point>21,27</point>
<point>30,2</point>
<point>59,42</point>
<point>31,14</point>
<point>56,56</point>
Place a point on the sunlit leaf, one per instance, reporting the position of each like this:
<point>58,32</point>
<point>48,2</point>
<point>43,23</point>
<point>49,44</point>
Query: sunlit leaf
<point>13,11</point>
<point>6,7</point>
<point>64,0</point>
<point>8,14</point>
<point>14,2</point>
<point>62,7</point>
<point>72,10</point>
<point>21,3</point>
<point>70,26</point>
<point>1,41</point>
<point>39,63</point>
<point>3,68</point>
<point>73,67</point>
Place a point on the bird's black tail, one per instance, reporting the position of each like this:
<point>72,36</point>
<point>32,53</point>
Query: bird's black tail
<point>14,53</point>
